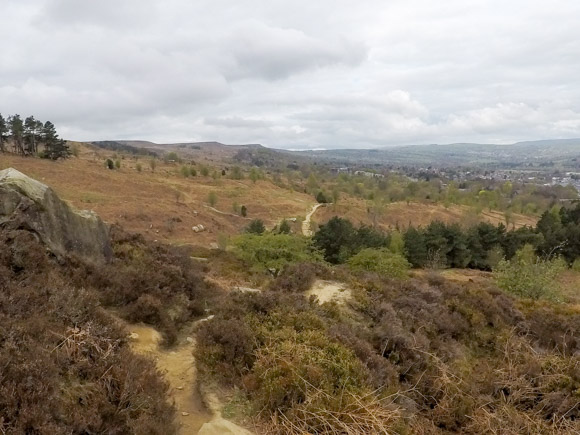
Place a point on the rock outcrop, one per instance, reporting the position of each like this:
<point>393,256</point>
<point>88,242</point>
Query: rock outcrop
<point>28,204</point>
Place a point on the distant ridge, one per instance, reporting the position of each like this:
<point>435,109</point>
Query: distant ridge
<point>457,154</point>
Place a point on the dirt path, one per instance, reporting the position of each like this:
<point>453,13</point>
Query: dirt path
<point>327,291</point>
<point>306,227</point>
<point>178,366</point>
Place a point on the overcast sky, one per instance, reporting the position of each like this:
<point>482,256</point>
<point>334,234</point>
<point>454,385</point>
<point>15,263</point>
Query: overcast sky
<point>295,74</point>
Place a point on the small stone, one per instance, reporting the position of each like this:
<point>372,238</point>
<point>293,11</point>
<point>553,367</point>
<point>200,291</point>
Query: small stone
<point>134,336</point>
<point>180,387</point>
<point>189,340</point>
<point>185,414</point>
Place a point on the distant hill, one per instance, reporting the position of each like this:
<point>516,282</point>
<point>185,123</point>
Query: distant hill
<point>542,152</point>
<point>562,153</point>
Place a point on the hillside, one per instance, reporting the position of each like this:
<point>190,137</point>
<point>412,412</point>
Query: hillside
<point>274,334</point>
<point>162,204</point>
<point>460,154</point>
<point>403,214</point>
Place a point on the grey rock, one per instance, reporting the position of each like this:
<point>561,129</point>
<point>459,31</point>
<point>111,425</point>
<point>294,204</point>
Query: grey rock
<point>30,205</point>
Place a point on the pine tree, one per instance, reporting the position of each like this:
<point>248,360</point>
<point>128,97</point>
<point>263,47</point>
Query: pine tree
<point>31,135</point>
<point>17,133</point>
<point>3,133</point>
<point>415,250</point>
<point>54,147</point>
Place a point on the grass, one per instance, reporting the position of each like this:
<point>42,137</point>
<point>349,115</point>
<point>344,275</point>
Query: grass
<point>400,214</point>
<point>123,196</point>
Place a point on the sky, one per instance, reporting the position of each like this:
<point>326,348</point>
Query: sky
<point>298,74</point>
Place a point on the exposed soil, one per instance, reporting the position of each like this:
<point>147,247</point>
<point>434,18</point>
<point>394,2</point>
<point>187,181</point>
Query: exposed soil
<point>178,367</point>
<point>306,226</point>
<point>327,291</point>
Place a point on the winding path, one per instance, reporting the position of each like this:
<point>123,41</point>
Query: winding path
<point>178,367</point>
<point>306,226</point>
<point>195,414</point>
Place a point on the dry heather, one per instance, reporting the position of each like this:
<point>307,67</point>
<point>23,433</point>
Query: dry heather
<point>66,365</point>
<point>427,355</point>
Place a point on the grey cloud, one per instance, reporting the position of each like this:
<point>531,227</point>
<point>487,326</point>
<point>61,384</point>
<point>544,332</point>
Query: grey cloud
<point>296,74</point>
<point>275,53</point>
<point>237,122</point>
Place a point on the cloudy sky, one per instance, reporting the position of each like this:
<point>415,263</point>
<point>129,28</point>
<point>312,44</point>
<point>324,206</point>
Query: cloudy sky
<point>295,74</point>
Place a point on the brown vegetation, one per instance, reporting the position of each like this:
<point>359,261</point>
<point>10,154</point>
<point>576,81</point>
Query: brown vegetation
<point>66,366</point>
<point>162,204</point>
<point>430,355</point>
<point>402,214</point>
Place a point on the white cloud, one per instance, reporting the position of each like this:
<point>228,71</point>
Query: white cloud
<point>295,74</point>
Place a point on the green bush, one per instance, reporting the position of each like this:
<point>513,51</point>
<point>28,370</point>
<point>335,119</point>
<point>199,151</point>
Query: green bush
<point>529,276</point>
<point>212,198</point>
<point>321,198</point>
<point>274,251</point>
<point>285,227</point>
<point>381,261</point>
<point>256,227</point>
<point>172,157</point>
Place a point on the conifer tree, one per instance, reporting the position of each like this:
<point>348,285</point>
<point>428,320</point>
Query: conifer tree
<point>3,133</point>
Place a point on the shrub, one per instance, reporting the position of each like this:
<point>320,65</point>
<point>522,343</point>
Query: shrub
<point>172,157</point>
<point>529,276</point>
<point>244,211</point>
<point>118,163</point>
<point>273,252</point>
<point>295,278</point>
<point>225,347</point>
<point>256,227</point>
<point>185,171</point>
<point>381,261</point>
<point>139,167</point>
<point>284,227</point>
<point>321,198</point>
<point>66,366</point>
<point>109,164</point>
<point>212,198</point>
<point>313,385</point>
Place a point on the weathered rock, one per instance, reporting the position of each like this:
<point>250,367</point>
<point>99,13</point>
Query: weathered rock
<point>28,204</point>
<point>219,426</point>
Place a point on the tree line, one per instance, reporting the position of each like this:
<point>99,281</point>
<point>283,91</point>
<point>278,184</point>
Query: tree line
<point>25,137</point>
<point>481,246</point>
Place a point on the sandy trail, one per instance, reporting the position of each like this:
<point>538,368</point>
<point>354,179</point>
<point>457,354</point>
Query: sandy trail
<point>327,291</point>
<point>178,367</point>
<point>306,227</point>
